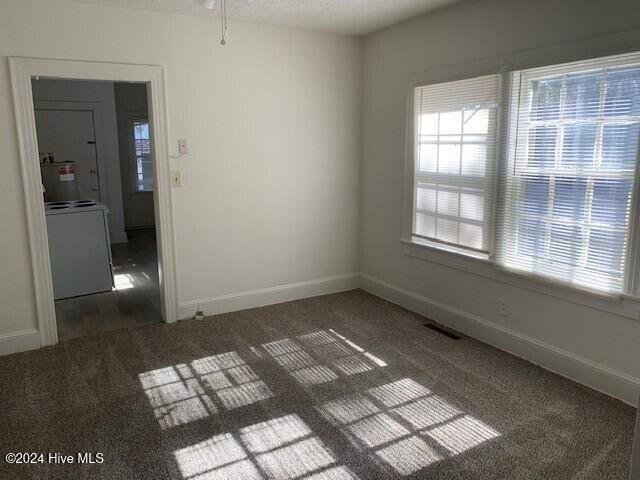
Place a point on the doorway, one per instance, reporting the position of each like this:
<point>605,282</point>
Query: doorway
<point>97,175</point>
<point>23,72</point>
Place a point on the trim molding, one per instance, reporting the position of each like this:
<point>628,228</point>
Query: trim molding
<point>269,296</point>
<point>621,305</point>
<point>119,237</point>
<point>21,71</point>
<point>19,341</point>
<point>574,367</point>
<point>592,374</point>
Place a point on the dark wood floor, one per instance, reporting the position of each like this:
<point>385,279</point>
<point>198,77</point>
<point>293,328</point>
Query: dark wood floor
<point>134,302</point>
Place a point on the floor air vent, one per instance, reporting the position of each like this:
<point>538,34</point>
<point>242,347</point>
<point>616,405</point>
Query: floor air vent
<point>443,331</point>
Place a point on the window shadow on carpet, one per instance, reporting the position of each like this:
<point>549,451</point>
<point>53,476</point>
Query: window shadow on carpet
<point>399,427</point>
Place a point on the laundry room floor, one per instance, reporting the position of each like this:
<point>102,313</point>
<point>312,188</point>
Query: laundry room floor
<point>134,302</point>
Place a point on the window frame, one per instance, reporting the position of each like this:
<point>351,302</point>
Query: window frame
<point>624,304</point>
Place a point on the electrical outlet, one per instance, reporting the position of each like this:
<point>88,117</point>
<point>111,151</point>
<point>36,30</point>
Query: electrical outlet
<point>176,178</point>
<point>503,308</point>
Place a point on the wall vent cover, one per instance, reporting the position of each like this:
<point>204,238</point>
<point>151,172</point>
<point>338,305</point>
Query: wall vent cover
<point>443,331</point>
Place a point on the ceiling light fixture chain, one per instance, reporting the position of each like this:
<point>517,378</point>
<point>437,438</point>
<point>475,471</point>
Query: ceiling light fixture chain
<point>210,5</point>
<point>223,20</point>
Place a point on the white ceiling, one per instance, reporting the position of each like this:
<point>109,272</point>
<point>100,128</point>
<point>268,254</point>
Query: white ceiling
<point>354,17</point>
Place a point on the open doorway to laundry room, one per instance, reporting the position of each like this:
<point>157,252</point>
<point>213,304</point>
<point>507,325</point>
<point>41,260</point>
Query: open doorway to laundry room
<point>96,162</point>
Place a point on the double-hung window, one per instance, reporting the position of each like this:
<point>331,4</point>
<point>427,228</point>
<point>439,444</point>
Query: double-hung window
<point>567,171</point>
<point>454,163</point>
<point>571,172</point>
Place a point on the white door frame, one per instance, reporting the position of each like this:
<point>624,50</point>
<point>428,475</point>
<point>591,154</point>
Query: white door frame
<point>22,71</point>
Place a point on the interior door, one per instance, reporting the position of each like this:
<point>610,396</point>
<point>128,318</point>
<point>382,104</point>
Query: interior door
<point>70,135</point>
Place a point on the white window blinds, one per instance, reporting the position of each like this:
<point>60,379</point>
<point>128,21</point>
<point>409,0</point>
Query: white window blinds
<point>573,147</point>
<point>454,162</point>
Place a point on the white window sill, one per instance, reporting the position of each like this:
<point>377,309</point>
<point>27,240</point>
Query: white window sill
<point>478,264</point>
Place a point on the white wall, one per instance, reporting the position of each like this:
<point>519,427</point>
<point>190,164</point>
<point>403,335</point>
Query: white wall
<point>131,98</point>
<point>102,94</point>
<point>474,37</point>
<point>271,187</point>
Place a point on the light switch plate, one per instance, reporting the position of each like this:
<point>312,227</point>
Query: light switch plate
<point>183,146</point>
<point>176,178</point>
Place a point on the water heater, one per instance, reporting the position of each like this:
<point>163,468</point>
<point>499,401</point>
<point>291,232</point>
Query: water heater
<point>59,181</point>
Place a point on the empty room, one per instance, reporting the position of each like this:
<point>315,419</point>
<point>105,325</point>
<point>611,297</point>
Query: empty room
<point>320,240</point>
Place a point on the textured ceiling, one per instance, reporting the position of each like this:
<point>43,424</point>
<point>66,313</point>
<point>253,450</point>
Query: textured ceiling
<point>354,17</point>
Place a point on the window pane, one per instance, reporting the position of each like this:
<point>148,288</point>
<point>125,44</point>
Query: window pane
<point>428,158</point>
<point>542,144</point>
<point>429,124</point>
<point>606,251</point>
<point>536,195</point>
<point>545,103</point>
<point>472,206</point>
<point>470,235</point>
<point>449,159</point>
<point>623,93</point>
<point>476,121</point>
<point>579,145</point>
<point>451,123</point>
<point>142,147</point>
<point>447,230</point>
<point>141,130</point>
<point>530,241</point>
<point>474,159</point>
<point>144,174</point>
<point>426,198</point>
<point>583,96</point>
<point>620,146</point>
<point>569,199</point>
<point>565,243</point>
<point>448,203</point>
<point>425,225</point>
<point>611,202</point>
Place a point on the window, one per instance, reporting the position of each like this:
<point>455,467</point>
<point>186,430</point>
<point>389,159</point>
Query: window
<point>570,178</point>
<point>142,164</point>
<point>454,162</point>
<point>567,190</point>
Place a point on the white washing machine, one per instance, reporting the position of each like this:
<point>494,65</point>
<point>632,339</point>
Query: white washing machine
<point>79,248</point>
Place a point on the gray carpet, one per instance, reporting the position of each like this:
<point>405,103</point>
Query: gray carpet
<point>337,387</point>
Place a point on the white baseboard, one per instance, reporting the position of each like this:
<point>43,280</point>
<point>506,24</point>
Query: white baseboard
<point>582,370</point>
<point>19,341</point>
<point>119,237</point>
<point>269,296</point>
